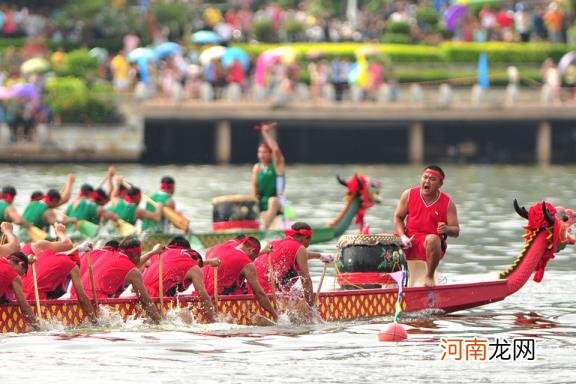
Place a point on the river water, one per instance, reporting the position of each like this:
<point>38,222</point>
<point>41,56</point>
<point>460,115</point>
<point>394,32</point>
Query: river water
<point>542,315</point>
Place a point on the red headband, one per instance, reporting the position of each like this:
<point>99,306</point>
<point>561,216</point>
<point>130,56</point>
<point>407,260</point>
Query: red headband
<point>132,250</point>
<point>302,231</point>
<point>435,173</point>
<point>251,243</point>
<point>132,198</point>
<point>165,186</point>
<point>8,197</point>
<point>47,199</point>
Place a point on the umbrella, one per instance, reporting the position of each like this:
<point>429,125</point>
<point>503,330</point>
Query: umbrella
<point>565,61</point>
<point>233,54</point>
<point>5,93</point>
<point>166,49</point>
<point>101,54</point>
<point>206,37</point>
<point>142,54</point>
<point>25,91</point>
<point>211,53</point>
<point>453,14</point>
<point>35,65</point>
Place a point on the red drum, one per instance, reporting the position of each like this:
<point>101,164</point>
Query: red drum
<point>235,213</point>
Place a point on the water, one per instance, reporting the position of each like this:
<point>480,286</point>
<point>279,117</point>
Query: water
<point>332,352</point>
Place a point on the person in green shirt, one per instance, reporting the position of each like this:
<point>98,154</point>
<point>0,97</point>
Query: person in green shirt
<point>164,197</point>
<point>127,208</point>
<point>7,210</point>
<point>41,213</point>
<point>268,177</point>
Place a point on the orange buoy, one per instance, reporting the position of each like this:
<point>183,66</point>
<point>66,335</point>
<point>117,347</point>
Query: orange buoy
<point>393,332</point>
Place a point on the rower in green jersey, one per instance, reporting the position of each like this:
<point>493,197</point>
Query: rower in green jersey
<point>268,177</point>
<point>41,213</point>
<point>83,207</point>
<point>126,208</point>
<point>8,212</point>
<point>163,196</point>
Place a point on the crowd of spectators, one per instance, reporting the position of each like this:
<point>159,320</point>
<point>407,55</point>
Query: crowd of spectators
<point>545,20</point>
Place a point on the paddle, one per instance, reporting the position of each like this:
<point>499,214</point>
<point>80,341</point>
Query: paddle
<point>321,280</point>
<point>87,228</point>
<point>177,219</point>
<point>124,228</point>
<point>36,234</point>
<point>35,280</point>
<point>216,290</point>
<point>272,280</point>
<point>92,283</point>
<point>161,284</point>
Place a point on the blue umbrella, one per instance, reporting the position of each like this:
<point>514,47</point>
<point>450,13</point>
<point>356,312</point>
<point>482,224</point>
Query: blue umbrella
<point>235,53</point>
<point>141,54</point>
<point>206,37</point>
<point>166,49</point>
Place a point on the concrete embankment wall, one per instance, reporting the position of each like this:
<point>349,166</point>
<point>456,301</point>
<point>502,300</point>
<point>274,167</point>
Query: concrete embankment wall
<point>224,133</point>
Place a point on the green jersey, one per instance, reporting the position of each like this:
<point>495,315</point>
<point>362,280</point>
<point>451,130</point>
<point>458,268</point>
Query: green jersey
<point>84,210</point>
<point>266,182</point>
<point>34,214</point>
<point>125,211</point>
<point>163,225</point>
<point>3,206</point>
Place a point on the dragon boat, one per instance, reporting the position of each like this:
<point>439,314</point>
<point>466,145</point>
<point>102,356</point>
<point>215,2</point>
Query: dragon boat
<point>236,214</point>
<point>548,231</point>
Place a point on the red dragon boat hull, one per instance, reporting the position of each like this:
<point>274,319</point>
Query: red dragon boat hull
<point>545,235</point>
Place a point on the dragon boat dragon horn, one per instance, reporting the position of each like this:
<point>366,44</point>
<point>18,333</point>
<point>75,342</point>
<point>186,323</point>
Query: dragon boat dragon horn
<point>548,231</point>
<point>369,193</point>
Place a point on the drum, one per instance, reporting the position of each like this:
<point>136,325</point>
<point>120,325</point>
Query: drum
<point>234,213</point>
<point>364,261</point>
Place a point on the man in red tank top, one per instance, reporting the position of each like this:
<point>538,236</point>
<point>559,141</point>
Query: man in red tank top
<point>288,259</point>
<point>116,269</point>
<point>13,265</point>
<point>424,217</point>
<point>180,267</point>
<point>57,263</point>
<point>236,258</point>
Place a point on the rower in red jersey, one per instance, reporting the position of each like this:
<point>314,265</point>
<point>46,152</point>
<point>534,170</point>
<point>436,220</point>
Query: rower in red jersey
<point>180,267</point>
<point>57,263</point>
<point>288,259</point>
<point>236,257</point>
<point>114,270</point>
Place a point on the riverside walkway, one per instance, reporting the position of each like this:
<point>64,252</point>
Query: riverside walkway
<point>162,131</point>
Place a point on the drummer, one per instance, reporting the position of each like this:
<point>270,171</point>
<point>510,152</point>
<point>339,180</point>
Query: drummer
<point>268,176</point>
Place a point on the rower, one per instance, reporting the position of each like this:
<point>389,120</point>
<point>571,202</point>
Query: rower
<point>114,270</point>
<point>12,267</point>
<point>57,264</point>
<point>163,196</point>
<point>41,214</point>
<point>288,259</point>
<point>127,208</point>
<point>181,267</point>
<point>237,266</point>
<point>7,210</point>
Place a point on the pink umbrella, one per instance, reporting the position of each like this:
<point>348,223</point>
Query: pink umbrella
<point>565,61</point>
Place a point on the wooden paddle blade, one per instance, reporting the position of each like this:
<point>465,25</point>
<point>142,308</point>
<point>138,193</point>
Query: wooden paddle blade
<point>262,321</point>
<point>87,228</point>
<point>125,229</point>
<point>36,233</point>
<point>176,218</point>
